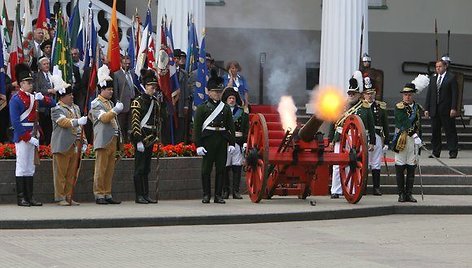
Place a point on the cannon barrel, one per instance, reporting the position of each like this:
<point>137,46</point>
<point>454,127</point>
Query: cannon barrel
<point>308,131</point>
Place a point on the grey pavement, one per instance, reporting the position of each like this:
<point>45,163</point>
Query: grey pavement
<point>386,241</point>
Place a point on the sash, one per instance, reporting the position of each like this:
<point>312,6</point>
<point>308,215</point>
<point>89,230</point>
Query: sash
<point>213,115</point>
<point>148,114</point>
<point>238,114</point>
<point>28,111</point>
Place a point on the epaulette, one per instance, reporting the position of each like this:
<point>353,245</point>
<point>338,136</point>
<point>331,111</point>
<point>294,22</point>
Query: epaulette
<point>365,104</point>
<point>135,103</point>
<point>382,105</point>
<point>400,105</point>
<point>95,103</point>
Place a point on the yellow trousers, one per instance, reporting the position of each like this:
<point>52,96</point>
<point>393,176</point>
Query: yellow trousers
<point>104,169</point>
<point>64,172</point>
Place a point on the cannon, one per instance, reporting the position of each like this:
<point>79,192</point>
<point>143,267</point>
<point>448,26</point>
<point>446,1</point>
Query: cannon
<point>297,162</point>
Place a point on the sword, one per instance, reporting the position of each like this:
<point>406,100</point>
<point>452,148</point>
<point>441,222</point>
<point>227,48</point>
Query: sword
<point>442,162</point>
<point>386,166</point>
<point>419,170</point>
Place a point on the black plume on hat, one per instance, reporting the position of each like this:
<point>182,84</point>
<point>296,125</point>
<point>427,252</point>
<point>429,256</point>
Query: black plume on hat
<point>215,82</point>
<point>148,77</point>
<point>353,84</point>
<point>230,91</point>
<point>22,72</point>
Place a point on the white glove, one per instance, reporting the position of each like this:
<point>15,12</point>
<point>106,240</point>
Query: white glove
<point>34,141</point>
<point>231,149</point>
<point>244,146</point>
<point>417,139</point>
<point>38,96</point>
<point>84,147</point>
<point>385,148</point>
<point>82,121</point>
<point>118,107</point>
<point>140,147</point>
<point>201,151</point>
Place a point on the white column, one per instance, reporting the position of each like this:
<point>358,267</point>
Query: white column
<point>340,40</point>
<point>177,11</point>
<point>124,43</point>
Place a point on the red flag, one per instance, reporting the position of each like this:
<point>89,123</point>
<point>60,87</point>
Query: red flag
<point>16,51</point>
<point>113,54</point>
<point>163,66</point>
<point>42,21</point>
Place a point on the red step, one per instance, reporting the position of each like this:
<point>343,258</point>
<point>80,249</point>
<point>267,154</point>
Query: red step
<point>263,109</point>
<point>274,126</point>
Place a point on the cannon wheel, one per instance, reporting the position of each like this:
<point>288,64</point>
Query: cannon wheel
<point>354,174</point>
<point>257,143</point>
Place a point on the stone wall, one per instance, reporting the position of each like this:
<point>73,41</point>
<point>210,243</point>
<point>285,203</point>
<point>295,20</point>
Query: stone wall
<point>179,178</point>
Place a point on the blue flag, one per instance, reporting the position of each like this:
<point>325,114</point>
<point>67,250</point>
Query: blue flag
<point>199,95</point>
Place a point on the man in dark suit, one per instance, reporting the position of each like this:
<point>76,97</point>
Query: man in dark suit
<point>124,91</point>
<point>44,85</point>
<point>441,103</point>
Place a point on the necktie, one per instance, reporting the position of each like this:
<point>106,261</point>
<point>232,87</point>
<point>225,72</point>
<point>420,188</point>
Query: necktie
<point>438,85</point>
<point>47,79</point>
<point>128,78</point>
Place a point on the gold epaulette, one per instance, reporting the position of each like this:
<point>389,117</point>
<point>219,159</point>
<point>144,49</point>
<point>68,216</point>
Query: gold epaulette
<point>365,104</point>
<point>400,105</point>
<point>382,105</point>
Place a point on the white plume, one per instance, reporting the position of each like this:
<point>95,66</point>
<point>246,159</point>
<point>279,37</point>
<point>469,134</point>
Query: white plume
<point>421,82</point>
<point>360,80</point>
<point>56,79</point>
<point>103,75</point>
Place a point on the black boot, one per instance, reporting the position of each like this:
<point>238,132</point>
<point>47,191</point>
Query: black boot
<point>376,181</point>
<point>138,189</point>
<point>400,176</point>
<point>225,193</point>
<point>236,182</point>
<point>146,191</point>
<point>410,181</point>
<point>20,193</point>
<point>28,182</point>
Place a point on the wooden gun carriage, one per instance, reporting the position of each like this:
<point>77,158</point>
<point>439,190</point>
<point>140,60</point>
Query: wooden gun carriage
<point>298,162</point>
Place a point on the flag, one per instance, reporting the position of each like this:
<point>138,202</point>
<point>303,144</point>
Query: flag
<point>151,50</point>
<point>199,95</point>
<point>131,52</point>
<point>27,29</point>
<point>142,50</point>
<point>61,56</point>
<point>74,25</point>
<point>175,87</point>
<point>16,50</point>
<point>3,21</point>
<point>113,54</point>
<point>192,50</point>
<point>3,88</point>
<point>90,56</point>
<point>79,44</point>
<point>43,17</point>
<point>163,66</point>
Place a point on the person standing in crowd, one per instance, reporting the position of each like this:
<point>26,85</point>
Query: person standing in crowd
<point>234,160</point>
<point>235,79</point>
<point>358,107</point>
<point>441,103</point>
<point>46,48</point>
<point>182,98</point>
<point>407,141</point>
<point>44,84</point>
<point>146,118</point>
<point>65,145</point>
<point>24,118</point>
<point>106,130</point>
<point>375,75</point>
<point>5,95</point>
<point>379,111</point>
<point>124,92</point>
<point>213,131</point>
<point>35,47</point>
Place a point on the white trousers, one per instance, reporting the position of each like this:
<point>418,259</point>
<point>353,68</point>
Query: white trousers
<point>336,178</point>
<point>408,155</point>
<point>375,156</point>
<point>236,158</point>
<point>24,159</point>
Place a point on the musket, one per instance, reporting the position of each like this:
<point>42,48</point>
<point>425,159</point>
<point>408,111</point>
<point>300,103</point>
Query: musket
<point>361,43</point>
<point>436,37</point>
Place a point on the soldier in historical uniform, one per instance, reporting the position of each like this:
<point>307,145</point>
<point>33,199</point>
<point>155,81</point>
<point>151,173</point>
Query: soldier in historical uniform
<point>213,132</point>
<point>146,119</point>
<point>234,160</point>
<point>379,110</point>
<point>406,141</point>
<point>375,75</point>
<point>65,145</point>
<point>358,107</point>
<point>24,120</point>
<point>106,137</point>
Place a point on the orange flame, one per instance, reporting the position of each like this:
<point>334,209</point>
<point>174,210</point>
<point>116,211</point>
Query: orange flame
<point>328,103</point>
<point>288,113</point>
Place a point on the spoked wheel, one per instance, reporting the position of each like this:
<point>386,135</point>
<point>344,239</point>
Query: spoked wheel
<point>271,182</point>
<point>257,158</point>
<point>354,174</point>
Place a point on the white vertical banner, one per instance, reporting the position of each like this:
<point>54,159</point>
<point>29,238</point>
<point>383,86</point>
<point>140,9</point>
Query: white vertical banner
<point>177,11</point>
<point>340,40</point>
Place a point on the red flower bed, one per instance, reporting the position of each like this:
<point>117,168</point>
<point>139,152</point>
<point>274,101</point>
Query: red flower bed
<point>7,151</point>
